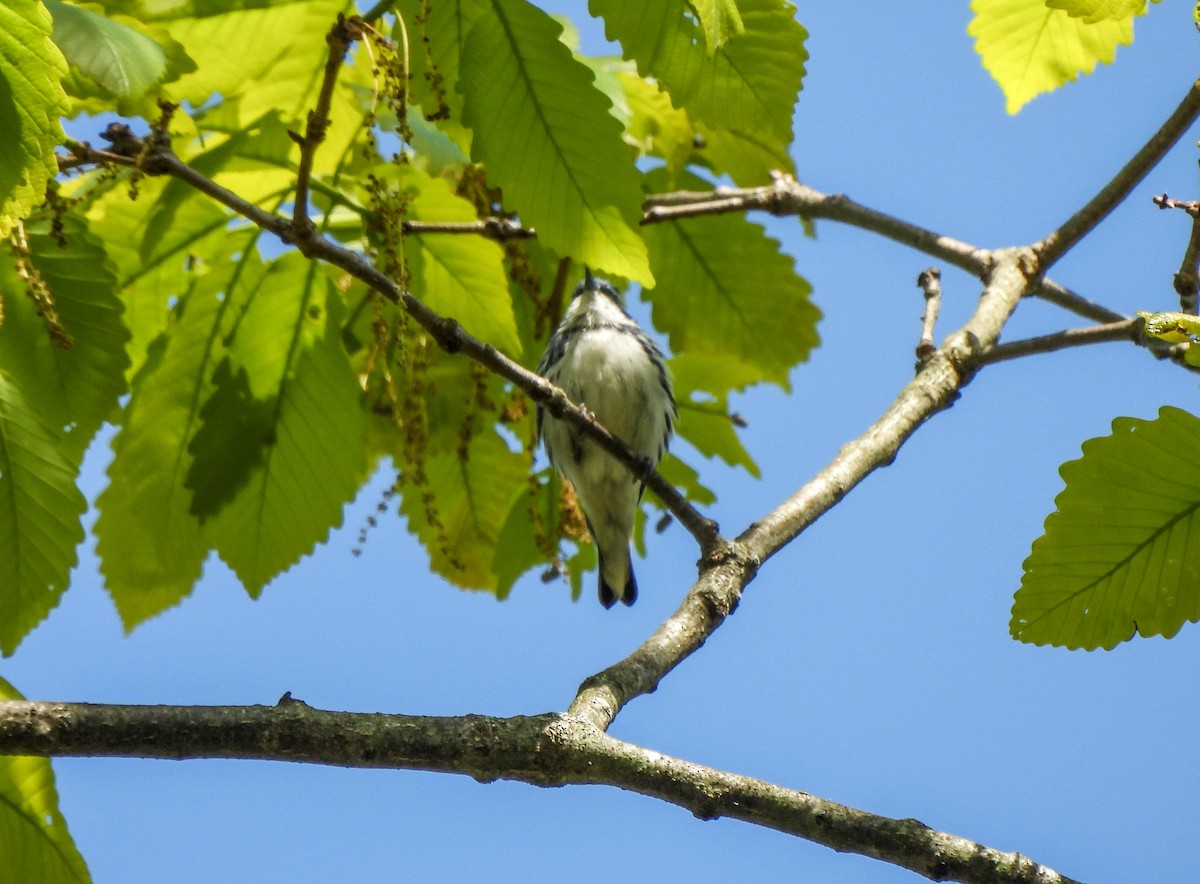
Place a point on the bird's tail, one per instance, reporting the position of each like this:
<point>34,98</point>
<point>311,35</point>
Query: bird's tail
<point>615,577</point>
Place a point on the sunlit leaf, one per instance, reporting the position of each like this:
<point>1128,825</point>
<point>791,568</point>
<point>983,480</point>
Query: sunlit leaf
<point>459,514</point>
<point>462,277</point>
<point>288,366</point>
<point>40,511</point>
<point>749,84</point>
<point>31,101</point>
<point>726,269</point>
<point>720,20</point>
<point>1029,49</point>
<point>1121,553</point>
<point>549,141</point>
<point>1092,11</point>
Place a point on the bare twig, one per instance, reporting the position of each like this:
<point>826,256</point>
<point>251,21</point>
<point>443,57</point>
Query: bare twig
<point>786,196</point>
<point>541,750</point>
<point>935,387</point>
<point>1058,242</point>
<point>1123,330</point>
<point>1187,279</point>
<point>930,282</point>
<point>343,33</point>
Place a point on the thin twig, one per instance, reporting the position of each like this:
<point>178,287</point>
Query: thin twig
<point>1123,330</point>
<point>343,33</point>
<point>1060,241</point>
<point>1187,279</point>
<point>786,196</point>
<point>930,282</point>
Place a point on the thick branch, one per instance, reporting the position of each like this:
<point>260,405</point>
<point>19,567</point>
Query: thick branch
<point>1060,241</point>
<point>542,750</point>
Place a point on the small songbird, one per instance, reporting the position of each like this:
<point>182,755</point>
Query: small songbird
<point>604,362</point>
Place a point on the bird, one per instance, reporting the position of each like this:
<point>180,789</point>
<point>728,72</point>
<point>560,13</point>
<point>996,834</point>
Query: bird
<point>603,360</point>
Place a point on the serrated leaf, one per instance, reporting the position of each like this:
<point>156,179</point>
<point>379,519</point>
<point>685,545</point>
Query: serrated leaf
<point>31,101</point>
<point>747,158</point>
<point>77,386</point>
<point>1030,49</point>
<point>549,141</point>
<point>150,545</point>
<point>108,51</point>
<point>287,351</point>
<point>459,513</point>
<point>749,84</point>
<point>702,386</point>
<point>726,269</point>
<point>40,511</point>
<point>517,549</point>
<point>652,124</point>
<point>458,276</point>
<point>37,845</point>
<point>444,32</point>
<point>271,60</point>
<point>720,20</point>
<point>1092,11</point>
<point>1121,552</point>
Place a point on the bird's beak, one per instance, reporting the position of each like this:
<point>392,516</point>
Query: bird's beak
<point>589,281</point>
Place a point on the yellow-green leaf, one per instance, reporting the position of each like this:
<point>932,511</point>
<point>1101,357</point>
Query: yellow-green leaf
<point>548,140</point>
<point>1030,49</point>
<point>31,101</point>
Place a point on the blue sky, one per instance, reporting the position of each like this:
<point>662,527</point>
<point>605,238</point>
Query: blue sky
<point>869,663</point>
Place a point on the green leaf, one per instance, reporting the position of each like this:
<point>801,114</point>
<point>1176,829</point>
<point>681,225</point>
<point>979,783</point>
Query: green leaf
<point>721,21</point>
<point>125,62</point>
<point>517,549</point>
<point>458,276</point>
<point>271,59</point>
<point>652,124</point>
<point>549,141</point>
<point>1121,553</point>
<point>149,542</point>
<point>747,158</point>
<point>443,34</point>
<point>1092,11</point>
<point>1030,49</point>
<point>288,367</point>
<point>40,511</point>
<point>727,270</point>
<point>37,845</point>
<point>459,514</point>
<point>702,385</point>
<point>749,84</point>
<point>31,101</point>
<point>77,386</point>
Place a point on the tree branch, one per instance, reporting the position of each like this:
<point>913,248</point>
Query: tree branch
<point>343,33</point>
<point>1060,241</point>
<point>541,750</point>
<point>1123,330</point>
<point>1187,279</point>
<point>935,388</point>
<point>930,283</point>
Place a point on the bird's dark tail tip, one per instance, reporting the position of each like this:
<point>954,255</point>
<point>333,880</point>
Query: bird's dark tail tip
<point>608,597</point>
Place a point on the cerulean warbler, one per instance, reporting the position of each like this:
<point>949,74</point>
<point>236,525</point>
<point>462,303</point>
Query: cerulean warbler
<point>604,362</point>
